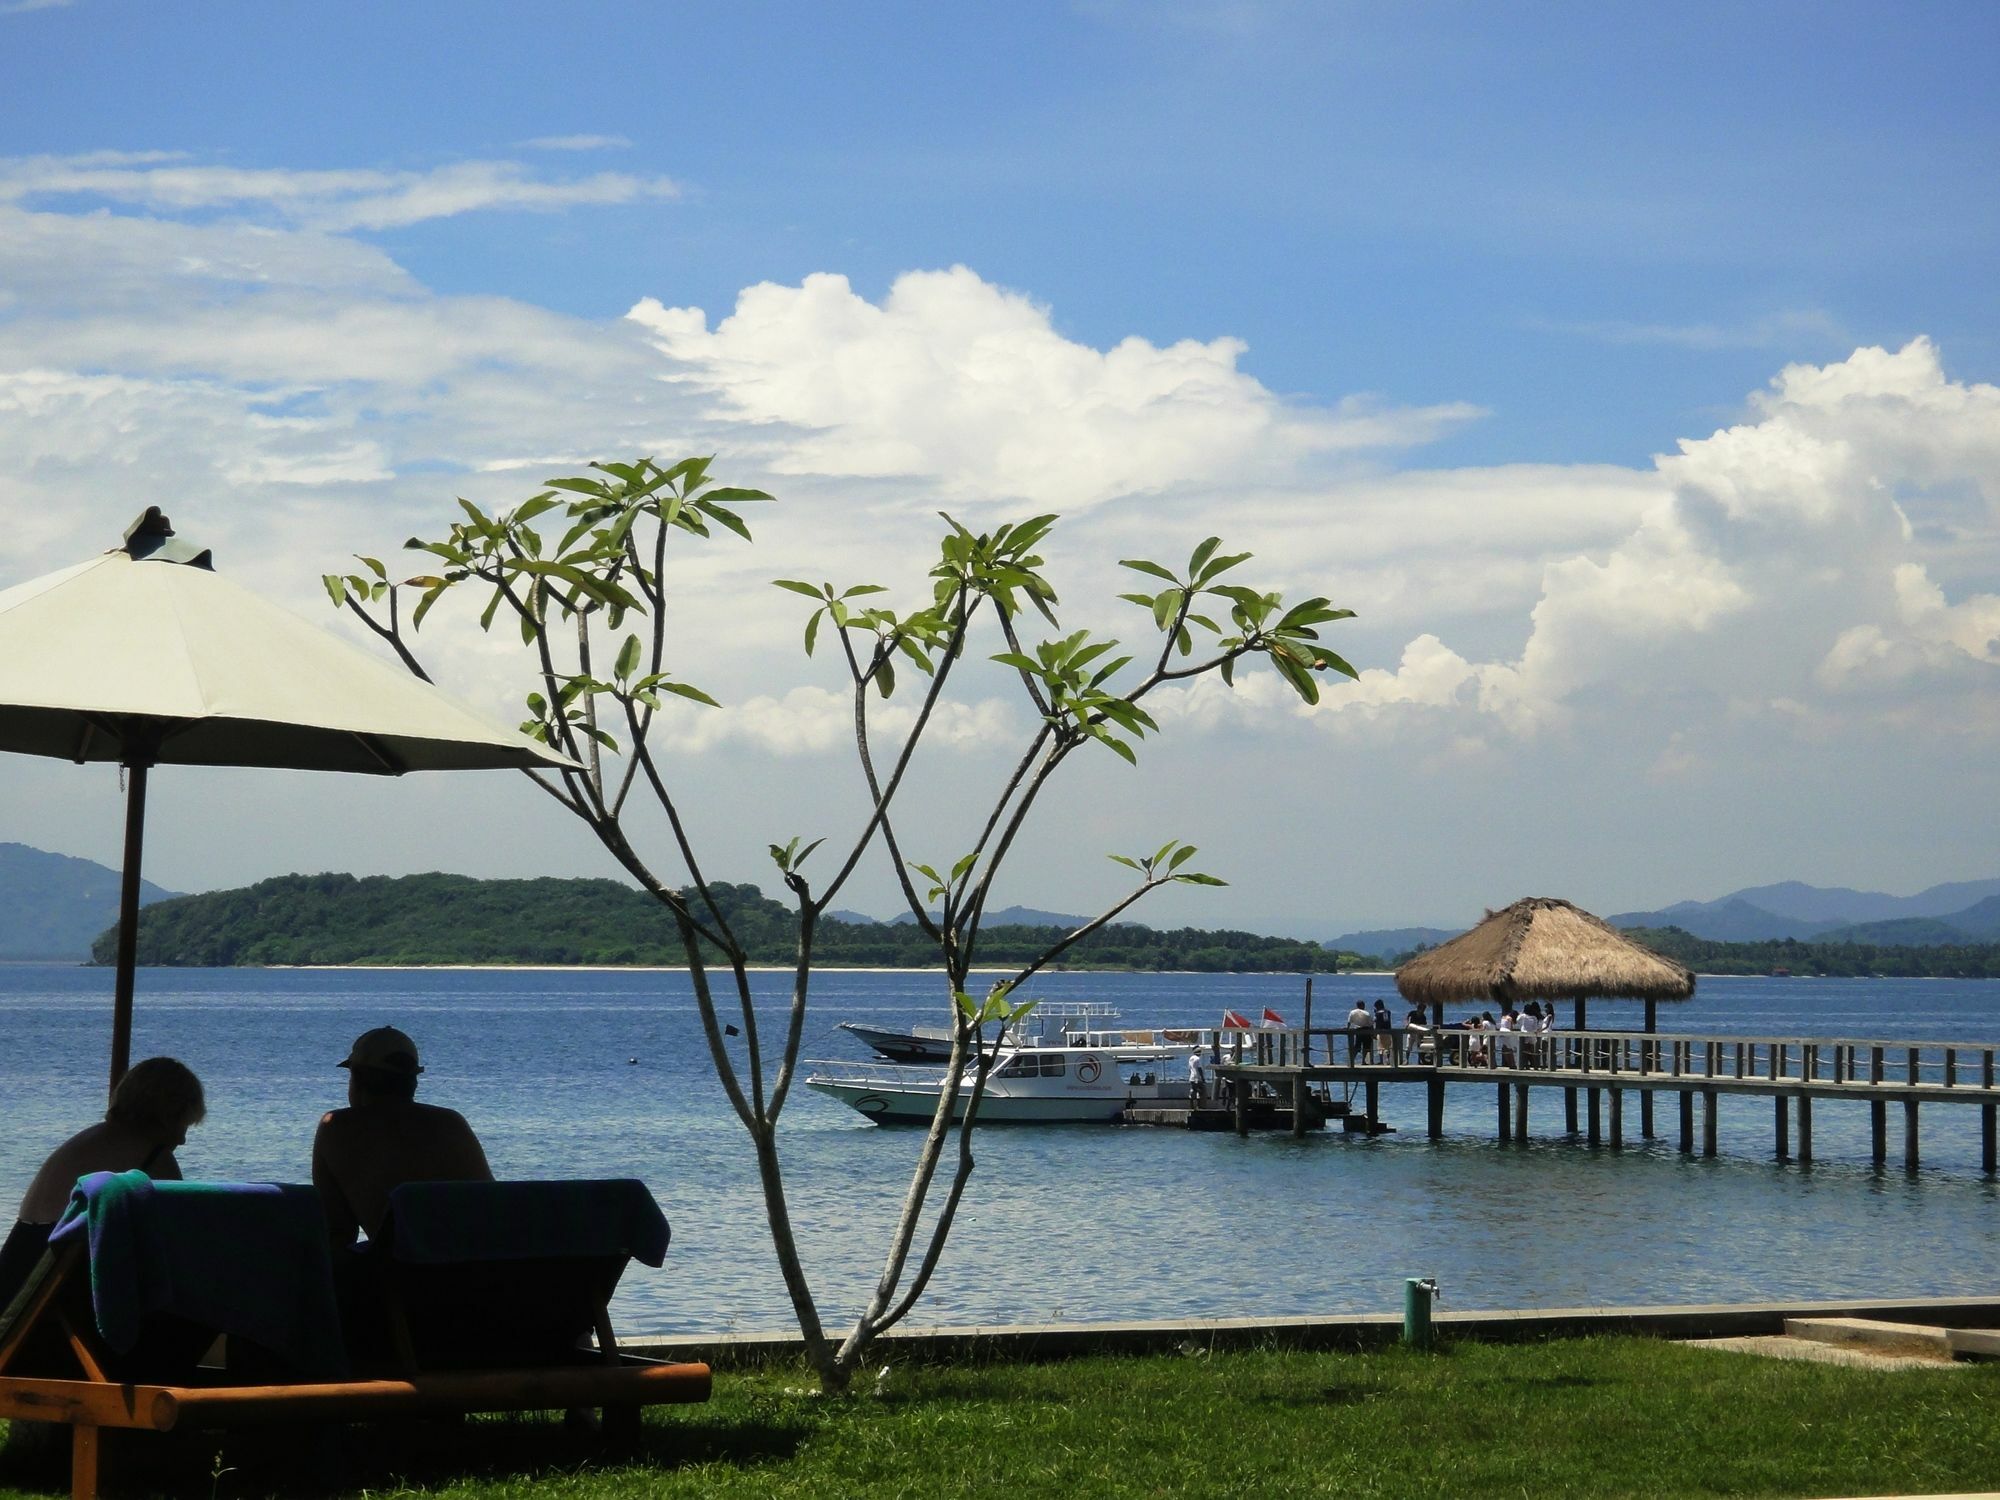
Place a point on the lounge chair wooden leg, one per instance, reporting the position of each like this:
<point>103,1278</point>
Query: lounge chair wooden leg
<point>83,1460</point>
<point>621,1426</point>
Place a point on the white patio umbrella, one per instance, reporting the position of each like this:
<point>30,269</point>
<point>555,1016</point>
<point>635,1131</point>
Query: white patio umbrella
<point>146,656</point>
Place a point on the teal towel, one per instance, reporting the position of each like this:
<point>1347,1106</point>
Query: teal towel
<point>450,1223</point>
<point>246,1259</point>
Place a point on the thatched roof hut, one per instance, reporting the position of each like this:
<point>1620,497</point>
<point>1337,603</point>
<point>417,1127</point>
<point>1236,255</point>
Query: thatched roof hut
<point>1542,949</point>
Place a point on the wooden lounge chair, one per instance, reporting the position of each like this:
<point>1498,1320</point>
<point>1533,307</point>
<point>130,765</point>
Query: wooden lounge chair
<point>85,1350</point>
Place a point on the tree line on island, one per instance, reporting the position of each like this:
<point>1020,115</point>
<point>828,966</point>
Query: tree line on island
<point>1806,958</point>
<point>456,919</point>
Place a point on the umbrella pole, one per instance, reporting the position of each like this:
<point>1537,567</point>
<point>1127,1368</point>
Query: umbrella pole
<point>128,922</point>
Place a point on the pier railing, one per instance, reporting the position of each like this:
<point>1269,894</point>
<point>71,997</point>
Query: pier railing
<point>1894,1064</point>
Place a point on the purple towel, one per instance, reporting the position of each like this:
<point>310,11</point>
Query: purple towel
<point>246,1259</point>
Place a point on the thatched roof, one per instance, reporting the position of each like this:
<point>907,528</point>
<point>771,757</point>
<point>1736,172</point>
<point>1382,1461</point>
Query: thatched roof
<point>1542,949</point>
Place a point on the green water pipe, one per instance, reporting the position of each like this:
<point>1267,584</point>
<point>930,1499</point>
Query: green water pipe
<point>1418,1294</point>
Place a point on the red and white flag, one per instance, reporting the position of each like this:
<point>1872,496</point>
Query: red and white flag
<point>1272,1018</point>
<point>1233,1022</point>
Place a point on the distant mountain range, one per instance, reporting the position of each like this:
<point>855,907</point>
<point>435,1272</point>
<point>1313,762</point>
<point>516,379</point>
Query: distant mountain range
<point>1963,911</point>
<point>52,905</point>
<point>1388,942</point>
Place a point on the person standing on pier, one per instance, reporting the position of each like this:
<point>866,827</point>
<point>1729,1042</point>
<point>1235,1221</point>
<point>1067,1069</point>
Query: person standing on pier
<point>1360,1033</point>
<point>1388,1040</point>
<point>1414,1032</point>
<point>1197,1079</point>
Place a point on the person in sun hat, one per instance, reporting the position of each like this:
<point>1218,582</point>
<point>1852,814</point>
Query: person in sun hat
<point>385,1138</point>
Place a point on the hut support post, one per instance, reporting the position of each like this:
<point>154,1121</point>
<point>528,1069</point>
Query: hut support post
<point>1595,1132</point>
<point>1708,1101</point>
<point>1580,1022</point>
<point>1569,1111</point>
<point>1521,1112</point>
<point>1910,1151</point>
<point>1374,1094</point>
<point>1506,1116</point>
<point>1649,1060</point>
<point>1987,1141</point>
<point>1687,1122</point>
<point>1805,1130</point>
<point>1617,1119</point>
<point>1878,1129</point>
<point>1299,1104</point>
<point>1239,1095</point>
<point>1436,1091</point>
<point>1781,1118</point>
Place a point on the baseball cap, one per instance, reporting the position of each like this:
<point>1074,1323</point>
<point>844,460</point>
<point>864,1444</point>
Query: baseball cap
<point>386,1050</point>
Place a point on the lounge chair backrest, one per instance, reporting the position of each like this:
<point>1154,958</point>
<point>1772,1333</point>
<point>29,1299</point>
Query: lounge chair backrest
<point>510,1273</point>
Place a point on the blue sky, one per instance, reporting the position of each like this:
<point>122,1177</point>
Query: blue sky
<point>1461,272</point>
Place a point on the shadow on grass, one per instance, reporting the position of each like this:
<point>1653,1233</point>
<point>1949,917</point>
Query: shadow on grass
<point>1556,1382</point>
<point>419,1455</point>
<point>1332,1395</point>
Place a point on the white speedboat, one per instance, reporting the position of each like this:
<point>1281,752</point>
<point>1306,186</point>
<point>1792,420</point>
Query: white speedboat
<point>1031,1083</point>
<point>1074,1022</point>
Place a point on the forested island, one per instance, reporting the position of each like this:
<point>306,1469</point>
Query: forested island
<point>455,919</point>
<point>1843,960</point>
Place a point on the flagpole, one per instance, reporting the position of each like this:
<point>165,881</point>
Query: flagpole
<point>1308,1054</point>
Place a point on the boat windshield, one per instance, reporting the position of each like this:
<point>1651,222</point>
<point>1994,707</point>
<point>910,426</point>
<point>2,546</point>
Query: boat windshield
<point>1035,1065</point>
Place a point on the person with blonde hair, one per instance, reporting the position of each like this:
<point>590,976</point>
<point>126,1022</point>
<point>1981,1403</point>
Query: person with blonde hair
<point>154,1106</point>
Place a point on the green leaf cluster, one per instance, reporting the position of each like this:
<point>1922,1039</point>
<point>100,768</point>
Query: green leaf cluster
<point>1258,623</point>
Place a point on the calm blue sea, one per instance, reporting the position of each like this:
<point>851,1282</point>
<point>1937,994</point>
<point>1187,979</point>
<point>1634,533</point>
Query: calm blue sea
<point>1075,1222</point>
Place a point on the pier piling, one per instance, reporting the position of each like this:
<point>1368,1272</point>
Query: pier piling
<point>1790,1072</point>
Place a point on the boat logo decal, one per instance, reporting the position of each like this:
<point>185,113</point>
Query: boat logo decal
<point>1088,1070</point>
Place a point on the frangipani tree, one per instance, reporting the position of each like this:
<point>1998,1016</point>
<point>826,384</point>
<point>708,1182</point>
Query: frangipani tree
<point>581,570</point>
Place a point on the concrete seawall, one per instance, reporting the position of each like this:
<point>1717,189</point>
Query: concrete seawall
<point>1028,1341</point>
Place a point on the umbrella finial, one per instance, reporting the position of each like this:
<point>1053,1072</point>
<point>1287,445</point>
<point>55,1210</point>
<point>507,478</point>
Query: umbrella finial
<point>148,536</point>
<point>146,533</point>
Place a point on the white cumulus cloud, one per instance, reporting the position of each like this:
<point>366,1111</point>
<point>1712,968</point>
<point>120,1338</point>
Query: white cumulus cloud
<point>954,379</point>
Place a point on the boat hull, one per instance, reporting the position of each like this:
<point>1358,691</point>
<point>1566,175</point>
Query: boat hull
<point>899,1106</point>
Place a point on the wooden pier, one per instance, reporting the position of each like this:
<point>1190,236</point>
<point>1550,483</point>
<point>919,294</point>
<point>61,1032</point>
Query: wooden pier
<point>1794,1073</point>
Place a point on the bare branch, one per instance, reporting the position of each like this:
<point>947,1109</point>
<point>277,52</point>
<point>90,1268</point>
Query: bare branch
<point>887,794</point>
<point>1093,925</point>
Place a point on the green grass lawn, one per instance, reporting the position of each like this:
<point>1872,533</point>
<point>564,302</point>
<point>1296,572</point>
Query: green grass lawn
<point>1606,1416</point>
